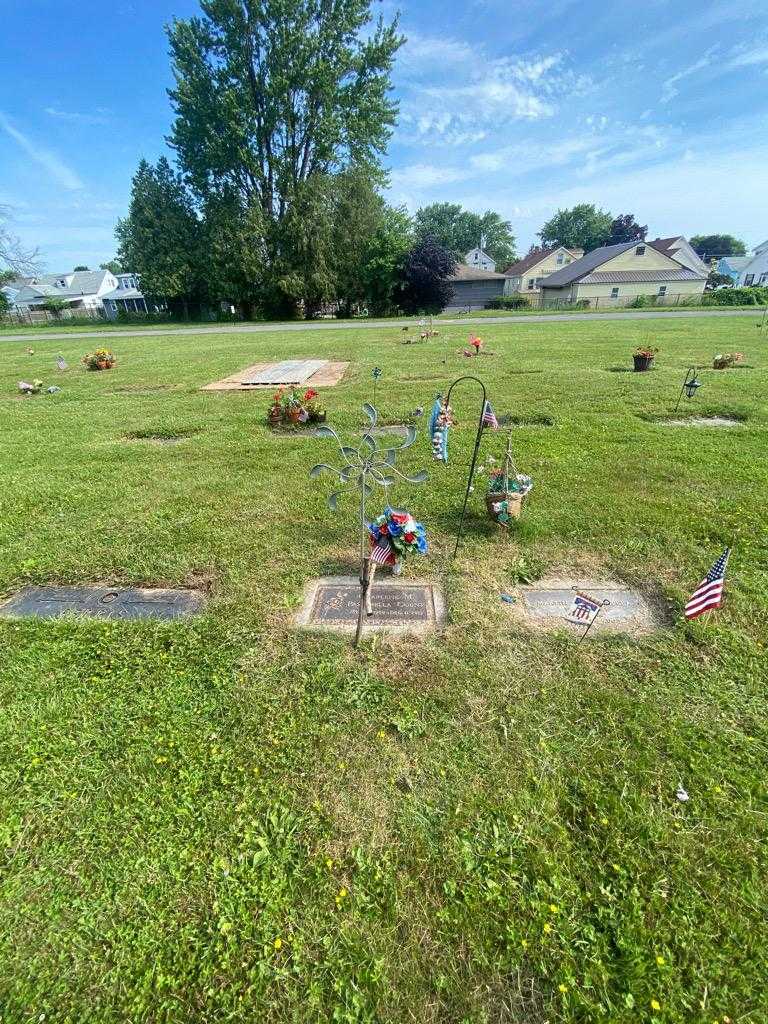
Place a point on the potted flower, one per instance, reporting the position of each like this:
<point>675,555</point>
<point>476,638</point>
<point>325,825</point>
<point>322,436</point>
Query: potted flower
<point>504,498</point>
<point>101,359</point>
<point>394,535</point>
<point>275,411</point>
<point>315,412</point>
<point>643,358</point>
<point>724,360</point>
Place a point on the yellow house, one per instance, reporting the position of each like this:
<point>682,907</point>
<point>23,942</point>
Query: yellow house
<point>527,274</point>
<point>615,275</point>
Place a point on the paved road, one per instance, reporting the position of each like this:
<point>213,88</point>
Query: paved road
<point>330,325</point>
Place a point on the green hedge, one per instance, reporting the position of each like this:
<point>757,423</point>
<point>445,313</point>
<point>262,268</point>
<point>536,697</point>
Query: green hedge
<point>736,297</point>
<point>509,302</point>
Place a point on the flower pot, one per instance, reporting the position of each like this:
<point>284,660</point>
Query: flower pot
<point>274,416</point>
<point>642,363</point>
<point>294,414</point>
<point>514,502</point>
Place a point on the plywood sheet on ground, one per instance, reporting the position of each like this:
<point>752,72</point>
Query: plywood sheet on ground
<point>328,375</point>
<point>290,371</point>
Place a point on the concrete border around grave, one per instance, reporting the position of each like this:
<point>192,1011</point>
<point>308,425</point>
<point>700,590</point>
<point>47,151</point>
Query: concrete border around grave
<point>303,618</point>
<point>329,376</point>
<point>647,617</point>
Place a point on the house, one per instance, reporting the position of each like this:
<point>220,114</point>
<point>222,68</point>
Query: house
<point>527,274</point>
<point>747,271</point>
<point>473,288</point>
<point>125,298</point>
<point>481,260</point>
<point>681,250</point>
<point>83,291</point>
<point>614,275</point>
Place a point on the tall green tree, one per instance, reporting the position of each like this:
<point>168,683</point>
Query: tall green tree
<point>162,238</point>
<point>424,287</point>
<point>383,260</point>
<point>113,266</point>
<point>718,245</point>
<point>269,93</point>
<point>460,230</point>
<point>582,227</point>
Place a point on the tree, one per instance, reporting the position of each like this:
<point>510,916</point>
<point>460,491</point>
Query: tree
<point>715,280</point>
<point>113,266</point>
<point>459,230</point>
<point>162,238</point>
<point>55,305</point>
<point>625,228</point>
<point>78,268</point>
<point>424,285</point>
<point>718,245</point>
<point>583,227</point>
<point>271,92</point>
<point>13,256</point>
<point>383,260</point>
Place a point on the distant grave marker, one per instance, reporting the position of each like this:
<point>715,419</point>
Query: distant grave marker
<point>290,371</point>
<point>549,604</point>
<point>103,603</point>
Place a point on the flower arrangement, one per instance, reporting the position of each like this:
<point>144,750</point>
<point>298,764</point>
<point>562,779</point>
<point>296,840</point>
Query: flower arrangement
<point>399,531</point>
<point>506,490</point>
<point>643,350</point>
<point>292,405</point>
<point>30,389</point>
<point>476,343</point>
<point>101,359</point>
<point>500,483</point>
<point>441,419</point>
<point>643,357</point>
<point>724,360</point>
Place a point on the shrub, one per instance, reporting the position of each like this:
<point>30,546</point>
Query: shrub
<point>639,301</point>
<point>509,302</point>
<point>736,297</point>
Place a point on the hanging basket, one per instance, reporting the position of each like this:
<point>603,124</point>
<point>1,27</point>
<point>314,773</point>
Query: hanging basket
<point>495,503</point>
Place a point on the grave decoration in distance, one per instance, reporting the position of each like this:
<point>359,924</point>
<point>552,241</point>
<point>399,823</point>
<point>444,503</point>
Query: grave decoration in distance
<point>643,358</point>
<point>440,422</point>
<point>366,467</point>
<point>61,362</point>
<point>31,389</point>
<point>690,386</point>
<point>506,489</point>
<point>296,407</point>
<point>376,374</point>
<point>725,360</point>
<point>101,359</point>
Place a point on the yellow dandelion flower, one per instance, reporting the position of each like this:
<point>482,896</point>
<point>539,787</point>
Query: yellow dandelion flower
<point>553,908</point>
<point>278,943</point>
<point>603,821</point>
<point>381,734</point>
<point>342,894</point>
<point>660,961</point>
<point>524,943</point>
<point>547,928</point>
<point>655,1004</point>
<point>562,988</point>
<point>328,863</point>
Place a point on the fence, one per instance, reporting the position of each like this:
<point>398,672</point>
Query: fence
<point>18,317</point>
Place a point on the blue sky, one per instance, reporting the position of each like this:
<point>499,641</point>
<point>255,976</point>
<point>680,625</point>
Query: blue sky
<point>656,108</point>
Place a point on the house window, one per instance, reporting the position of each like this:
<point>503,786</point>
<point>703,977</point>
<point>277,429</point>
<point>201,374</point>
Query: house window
<point>763,278</point>
<point>748,280</point>
<point>614,293</point>
<point>560,260</point>
<point>531,282</point>
<point>662,289</point>
<point>640,250</point>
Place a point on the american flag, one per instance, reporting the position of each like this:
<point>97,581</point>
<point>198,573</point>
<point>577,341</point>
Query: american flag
<point>709,593</point>
<point>382,552</point>
<point>489,417</point>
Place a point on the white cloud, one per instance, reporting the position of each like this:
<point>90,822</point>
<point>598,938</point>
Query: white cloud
<point>421,176</point>
<point>669,87</point>
<point>743,58</point>
<point>432,53</point>
<point>100,116</point>
<point>62,175</point>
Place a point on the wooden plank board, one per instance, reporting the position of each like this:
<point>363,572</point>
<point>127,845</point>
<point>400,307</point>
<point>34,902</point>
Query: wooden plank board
<point>290,371</point>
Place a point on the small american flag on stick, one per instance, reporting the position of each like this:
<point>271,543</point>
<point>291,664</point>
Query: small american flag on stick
<point>382,553</point>
<point>489,417</point>
<point>709,593</point>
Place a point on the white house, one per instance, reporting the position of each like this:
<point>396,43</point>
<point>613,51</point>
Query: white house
<point>755,272</point>
<point>88,291</point>
<point>479,259</point>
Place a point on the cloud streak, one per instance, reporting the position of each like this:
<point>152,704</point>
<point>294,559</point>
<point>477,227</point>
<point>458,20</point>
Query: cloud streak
<point>101,116</point>
<point>58,171</point>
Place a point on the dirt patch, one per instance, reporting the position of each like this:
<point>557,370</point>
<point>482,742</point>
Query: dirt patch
<point>545,604</point>
<point>326,377</point>
<point>508,420</point>
<point>702,421</point>
<point>159,436</point>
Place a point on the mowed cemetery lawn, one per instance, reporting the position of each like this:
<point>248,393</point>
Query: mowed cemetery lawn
<point>226,819</point>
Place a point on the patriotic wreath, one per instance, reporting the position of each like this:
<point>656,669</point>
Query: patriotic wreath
<point>395,534</point>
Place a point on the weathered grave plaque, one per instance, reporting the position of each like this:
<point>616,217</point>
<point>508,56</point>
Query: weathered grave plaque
<point>291,371</point>
<point>396,429</point>
<point>333,602</point>
<point>547,604</point>
<point>103,603</point>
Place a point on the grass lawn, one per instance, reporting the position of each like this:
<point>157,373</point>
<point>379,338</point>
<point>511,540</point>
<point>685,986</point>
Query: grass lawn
<point>228,820</point>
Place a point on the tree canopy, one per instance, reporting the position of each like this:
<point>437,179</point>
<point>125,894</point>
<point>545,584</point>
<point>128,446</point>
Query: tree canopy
<point>425,286</point>
<point>459,230</point>
<point>113,266</point>
<point>14,257</point>
<point>584,227</point>
<point>718,245</point>
<point>625,228</point>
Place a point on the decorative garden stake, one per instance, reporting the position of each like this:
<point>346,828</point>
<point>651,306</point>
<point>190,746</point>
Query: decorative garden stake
<point>584,611</point>
<point>366,467</point>
<point>690,385</point>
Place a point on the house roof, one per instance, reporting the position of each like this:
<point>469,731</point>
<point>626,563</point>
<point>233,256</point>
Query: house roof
<point>514,269</point>
<point>621,276</point>
<point>580,268</point>
<point>124,293</point>
<point>464,272</point>
<point>736,262</point>
<point>83,282</point>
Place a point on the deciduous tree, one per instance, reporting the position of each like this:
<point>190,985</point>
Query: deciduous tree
<point>718,245</point>
<point>459,230</point>
<point>584,227</point>
<point>425,287</point>
<point>625,228</point>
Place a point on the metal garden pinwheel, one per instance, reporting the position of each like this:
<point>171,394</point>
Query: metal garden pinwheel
<point>365,468</point>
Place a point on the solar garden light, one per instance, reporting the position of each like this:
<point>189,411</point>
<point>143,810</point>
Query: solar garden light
<point>691,384</point>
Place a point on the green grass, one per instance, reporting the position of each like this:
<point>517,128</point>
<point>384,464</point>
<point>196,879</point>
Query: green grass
<point>229,820</point>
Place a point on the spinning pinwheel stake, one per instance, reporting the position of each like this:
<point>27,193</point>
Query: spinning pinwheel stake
<point>367,467</point>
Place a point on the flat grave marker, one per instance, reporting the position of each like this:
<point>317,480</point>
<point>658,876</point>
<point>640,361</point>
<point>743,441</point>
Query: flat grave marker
<point>546,604</point>
<point>101,602</point>
<point>332,602</point>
